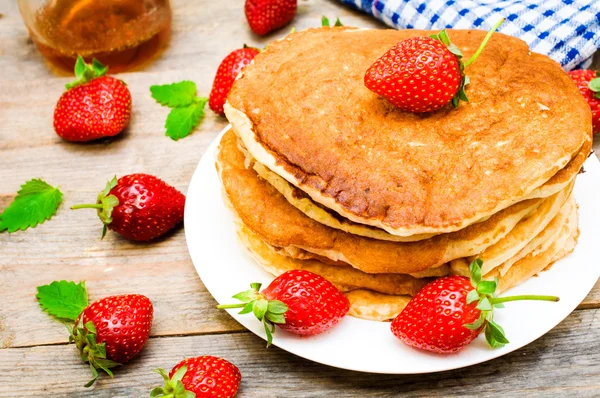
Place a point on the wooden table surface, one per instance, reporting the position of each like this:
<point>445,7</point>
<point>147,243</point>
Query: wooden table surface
<point>36,360</point>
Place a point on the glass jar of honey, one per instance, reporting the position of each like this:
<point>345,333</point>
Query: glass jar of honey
<point>122,34</point>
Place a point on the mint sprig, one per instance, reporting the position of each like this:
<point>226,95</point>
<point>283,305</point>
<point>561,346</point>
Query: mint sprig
<point>269,312</point>
<point>63,299</point>
<point>187,109</point>
<point>36,202</point>
<point>484,293</point>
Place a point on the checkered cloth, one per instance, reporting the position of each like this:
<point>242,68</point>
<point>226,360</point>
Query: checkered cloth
<point>566,30</point>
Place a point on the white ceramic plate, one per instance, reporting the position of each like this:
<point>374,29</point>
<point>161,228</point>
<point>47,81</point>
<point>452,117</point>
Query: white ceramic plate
<point>369,346</point>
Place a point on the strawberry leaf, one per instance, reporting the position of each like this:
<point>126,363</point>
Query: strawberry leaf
<point>247,309</point>
<point>494,334</point>
<point>35,203</point>
<point>176,94</point>
<point>594,85</point>
<point>277,307</point>
<point>63,300</point>
<point>472,296</point>
<point>260,308</point>
<point>477,324</point>
<point>181,121</point>
<point>475,270</point>
<point>86,72</point>
<point>275,318</point>
<point>486,287</point>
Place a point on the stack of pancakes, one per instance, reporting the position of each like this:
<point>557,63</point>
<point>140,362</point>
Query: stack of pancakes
<point>324,175</point>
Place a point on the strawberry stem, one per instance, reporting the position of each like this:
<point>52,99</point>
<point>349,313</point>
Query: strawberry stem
<point>484,42</point>
<point>226,306</point>
<point>87,206</point>
<point>497,300</point>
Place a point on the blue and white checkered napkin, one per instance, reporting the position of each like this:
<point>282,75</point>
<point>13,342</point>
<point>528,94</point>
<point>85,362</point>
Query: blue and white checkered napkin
<point>566,30</point>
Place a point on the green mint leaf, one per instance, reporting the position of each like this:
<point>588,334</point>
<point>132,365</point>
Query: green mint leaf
<point>277,307</point>
<point>260,308</point>
<point>338,22</point>
<point>472,296</point>
<point>181,121</point>
<point>324,21</point>
<point>176,94</point>
<point>35,203</point>
<point>64,300</point>
<point>486,287</point>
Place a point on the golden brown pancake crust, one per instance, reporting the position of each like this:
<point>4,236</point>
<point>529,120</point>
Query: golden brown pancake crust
<point>268,214</point>
<point>308,105</point>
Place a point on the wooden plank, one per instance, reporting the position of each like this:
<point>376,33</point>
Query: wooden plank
<point>562,363</point>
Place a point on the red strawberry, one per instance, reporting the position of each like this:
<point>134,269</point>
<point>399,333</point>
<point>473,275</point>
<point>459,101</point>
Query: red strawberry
<point>140,207</point>
<point>588,83</point>
<point>112,331</point>
<point>228,70</point>
<point>94,106</point>
<point>298,301</point>
<point>448,313</point>
<point>265,16</point>
<point>205,376</point>
<point>422,74</point>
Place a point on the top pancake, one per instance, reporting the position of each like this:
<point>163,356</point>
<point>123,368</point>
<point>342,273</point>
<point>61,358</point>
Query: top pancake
<point>302,110</point>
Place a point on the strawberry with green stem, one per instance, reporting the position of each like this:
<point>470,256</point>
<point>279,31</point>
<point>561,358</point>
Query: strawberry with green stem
<point>94,106</point>
<point>139,207</point>
<point>109,332</point>
<point>423,74</point>
<point>298,301</point>
<point>450,312</point>
<point>204,376</point>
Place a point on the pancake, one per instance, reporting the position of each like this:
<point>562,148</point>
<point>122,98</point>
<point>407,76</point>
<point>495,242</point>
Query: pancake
<point>523,232</point>
<point>533,233</point>
<point>304,203</point>
<point>344,277</point>
<point>302,110</point>
<point>364,290</point>
<point>545,238</point>
<point>375,306</point>
<point>537,260</point>
<point>269,215</point>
